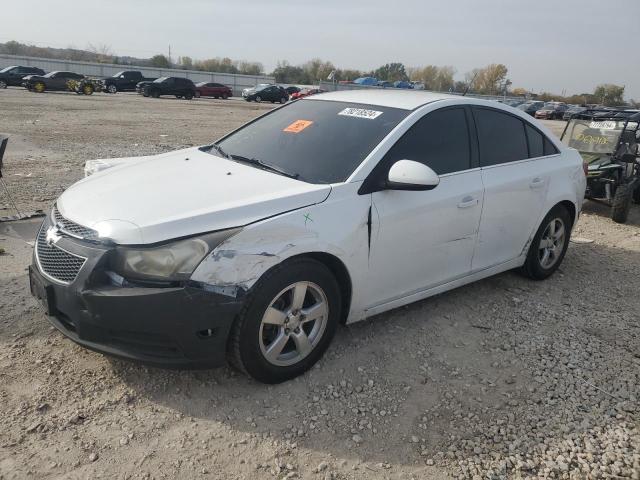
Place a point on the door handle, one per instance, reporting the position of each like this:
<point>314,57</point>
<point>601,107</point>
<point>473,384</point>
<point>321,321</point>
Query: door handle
<point>536,182</point>
<point>468,202</point>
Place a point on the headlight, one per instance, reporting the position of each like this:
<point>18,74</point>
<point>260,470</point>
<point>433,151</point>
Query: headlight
<point>169,262</point>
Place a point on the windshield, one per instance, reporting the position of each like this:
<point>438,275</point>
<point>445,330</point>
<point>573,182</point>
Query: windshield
<point>117,74</point>
<point>50,74</point>
<point>316,140</point>
<point>589,136</point>
<point>6,69</point>
<point>161,79</point>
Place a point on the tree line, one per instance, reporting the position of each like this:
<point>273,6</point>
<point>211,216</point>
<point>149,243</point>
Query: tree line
<point>489,80</point>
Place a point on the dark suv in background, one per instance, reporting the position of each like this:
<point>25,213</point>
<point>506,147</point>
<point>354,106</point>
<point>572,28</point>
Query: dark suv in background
<point>12,76</point>
<point>178,86</point>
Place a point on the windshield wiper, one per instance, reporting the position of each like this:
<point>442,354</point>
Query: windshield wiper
<point>265,166</point>
<point>217,148</point>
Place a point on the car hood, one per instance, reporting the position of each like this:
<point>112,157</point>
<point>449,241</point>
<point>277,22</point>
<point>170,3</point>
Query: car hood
<point>152,199</point>
<point>34,77</point>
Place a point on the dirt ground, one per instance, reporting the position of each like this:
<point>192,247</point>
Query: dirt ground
<point>504,378</point>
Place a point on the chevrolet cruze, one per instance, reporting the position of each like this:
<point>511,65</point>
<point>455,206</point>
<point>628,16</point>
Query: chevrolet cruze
<point>327,210</point>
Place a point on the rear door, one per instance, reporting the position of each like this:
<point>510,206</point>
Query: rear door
<point>516,182</point>
<point>427,238</point>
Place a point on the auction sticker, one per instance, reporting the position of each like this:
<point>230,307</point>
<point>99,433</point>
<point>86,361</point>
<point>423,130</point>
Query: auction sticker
<point>297,126</point>
<point>606,125</point>
<point>360,113</point>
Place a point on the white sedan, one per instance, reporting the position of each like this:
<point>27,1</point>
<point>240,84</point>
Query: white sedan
<point>327,210</point>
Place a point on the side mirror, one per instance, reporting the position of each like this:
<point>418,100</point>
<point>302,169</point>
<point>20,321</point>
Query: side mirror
<point>411,175</point>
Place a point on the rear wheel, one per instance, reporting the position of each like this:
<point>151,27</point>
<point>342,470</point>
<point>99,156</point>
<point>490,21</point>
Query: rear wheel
<point>283,100</point>
<point>225,96</point>
<point>178,96</point>
<point>258,98</point>
<point>549,244</point>
<point>636,193</point>
<point>155,94</point>
<point>188,95</point>
<point>621,204</point>
<point>39,87</point>
<point>287,322</point>
<point>87,89</point>
<point>3,84</point>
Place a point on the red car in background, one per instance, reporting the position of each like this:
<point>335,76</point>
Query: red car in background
<point>306,92</point>
<point>215,90</point>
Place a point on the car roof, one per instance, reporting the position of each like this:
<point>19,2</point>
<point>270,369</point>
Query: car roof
<point>404,99</point>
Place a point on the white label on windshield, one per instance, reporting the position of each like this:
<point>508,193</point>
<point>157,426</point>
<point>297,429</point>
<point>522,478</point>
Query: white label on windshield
<point>360,113</point>
<point>603,125</point>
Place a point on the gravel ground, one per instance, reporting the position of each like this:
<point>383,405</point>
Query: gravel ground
<point>505,378</point>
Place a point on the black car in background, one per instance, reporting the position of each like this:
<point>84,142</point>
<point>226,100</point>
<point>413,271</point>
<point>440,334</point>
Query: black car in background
<point>178,86</point>
<point>531,107</point>
<point>573,110</point>
<point>268,93</point>
<point>124,81</point>
<point>51,81</point>
<point>12,76</point>
<point>292,89</point>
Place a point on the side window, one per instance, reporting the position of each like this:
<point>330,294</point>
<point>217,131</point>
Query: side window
<point>536,142</point>
<point>440,140</point>
<point>501,137</point>
<point>549,148</point>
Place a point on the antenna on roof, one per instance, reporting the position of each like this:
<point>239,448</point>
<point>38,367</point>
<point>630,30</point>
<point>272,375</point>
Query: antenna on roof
<point>466,90</point>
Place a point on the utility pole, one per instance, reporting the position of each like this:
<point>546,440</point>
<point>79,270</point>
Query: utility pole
<point>170,53</point>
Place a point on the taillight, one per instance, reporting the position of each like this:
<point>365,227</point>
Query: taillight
<point>585,167</point>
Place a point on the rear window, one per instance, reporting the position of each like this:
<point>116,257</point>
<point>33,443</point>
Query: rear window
<point>320,141</point>
<point>501,137</point>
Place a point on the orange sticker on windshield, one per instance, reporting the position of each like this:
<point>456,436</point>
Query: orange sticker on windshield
<point>298,126</point>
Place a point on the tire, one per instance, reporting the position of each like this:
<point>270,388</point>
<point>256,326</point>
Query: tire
<point>178,96</point>
<point>155,94</point>
<point>540,264</point>
<point>283,100</point>
<point>87,89</point>
<point>621,204</point>
<point>39,87</point>
<point>188,96</point>
<point>111,88</point>
<point>636,193</point>
<point>216,97</point>
<point>251,338</point>
<point>3,84</point>
<point>258,99</point>
<point>198,94</point>
<point>225,96</point>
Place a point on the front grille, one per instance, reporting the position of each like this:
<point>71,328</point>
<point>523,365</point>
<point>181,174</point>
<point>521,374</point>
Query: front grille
<point>72,228</point>
<point>56,263</point>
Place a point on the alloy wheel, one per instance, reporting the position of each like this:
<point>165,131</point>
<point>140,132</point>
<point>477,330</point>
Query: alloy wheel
<point>112,88</point>
<point>3,84</point>
<point>293,323</point>
<point>551,243</point>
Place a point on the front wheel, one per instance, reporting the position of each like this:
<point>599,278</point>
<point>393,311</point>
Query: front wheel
<point>283,100</point>
<point>258,98</point>
<point>87,89</point>
<point>155,94</point>
<point>3,84</point>
<point>188,96</point>
<point>549,244</point>
<point>39,87</point>
<point>621,204</point>
<point>112,88</point>
<point>225,96</point>
<point>287,322</point>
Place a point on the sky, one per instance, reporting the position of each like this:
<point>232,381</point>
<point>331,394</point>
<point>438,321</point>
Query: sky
<point>548,45</point>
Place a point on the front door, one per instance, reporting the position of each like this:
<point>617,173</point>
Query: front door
<point>423,239</point>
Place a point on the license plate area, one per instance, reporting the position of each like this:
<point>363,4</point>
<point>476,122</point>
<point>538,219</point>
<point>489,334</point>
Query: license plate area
<point>42,292</point>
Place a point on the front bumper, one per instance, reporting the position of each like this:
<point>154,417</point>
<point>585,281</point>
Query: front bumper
<point>184,326</point>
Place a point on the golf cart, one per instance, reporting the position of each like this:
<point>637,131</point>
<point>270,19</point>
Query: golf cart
<point>608,142</point>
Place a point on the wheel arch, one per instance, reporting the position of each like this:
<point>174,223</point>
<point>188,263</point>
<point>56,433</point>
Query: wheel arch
<point>341,274</point>
<point>570,207</point>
